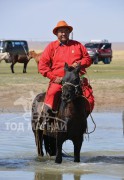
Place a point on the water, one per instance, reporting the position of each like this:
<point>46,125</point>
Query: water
<point>102,154</point>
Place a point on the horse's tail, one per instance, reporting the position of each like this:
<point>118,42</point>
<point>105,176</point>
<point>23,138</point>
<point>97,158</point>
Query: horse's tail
<point>37,107</point>
<point>50,145</point>
<point>35,122</point>
<point>40,136</point>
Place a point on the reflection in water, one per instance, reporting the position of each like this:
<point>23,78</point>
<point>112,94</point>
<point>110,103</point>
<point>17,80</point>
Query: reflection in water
<point>77,177</point>
<point>44,176</point>
<point>123,121</point>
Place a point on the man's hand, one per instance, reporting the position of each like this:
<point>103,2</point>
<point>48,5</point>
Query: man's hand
<point>74,65</point>
<point>58,80</point>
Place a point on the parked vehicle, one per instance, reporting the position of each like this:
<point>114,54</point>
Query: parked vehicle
<point>15,51</point>
<point>100,50</point>
<point>14,47</point>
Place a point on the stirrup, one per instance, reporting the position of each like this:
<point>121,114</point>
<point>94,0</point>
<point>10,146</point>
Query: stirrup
<point>54,112</point>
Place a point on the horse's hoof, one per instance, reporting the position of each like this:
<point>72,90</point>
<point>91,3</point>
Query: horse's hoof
<point>58,160</point>
<point>41,154</point>
<point>77,160</point>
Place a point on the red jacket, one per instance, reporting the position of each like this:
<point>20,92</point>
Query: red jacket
<point>56,54</point>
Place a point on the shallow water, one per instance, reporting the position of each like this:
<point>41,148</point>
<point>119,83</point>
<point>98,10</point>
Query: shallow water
<point>102,154</point>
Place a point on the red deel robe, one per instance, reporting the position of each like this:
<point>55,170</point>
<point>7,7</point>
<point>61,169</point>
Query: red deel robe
<point>55,55</point>
<point>51,65</point>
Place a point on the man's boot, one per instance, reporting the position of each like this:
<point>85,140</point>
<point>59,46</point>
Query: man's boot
<point>48,136</point>
<point>47,116</point>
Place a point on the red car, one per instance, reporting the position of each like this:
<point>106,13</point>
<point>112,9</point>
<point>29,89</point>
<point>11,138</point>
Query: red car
<point>100,50</point>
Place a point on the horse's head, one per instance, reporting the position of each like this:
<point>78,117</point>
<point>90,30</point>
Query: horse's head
<point>31,54</point>
<point>71,87</point>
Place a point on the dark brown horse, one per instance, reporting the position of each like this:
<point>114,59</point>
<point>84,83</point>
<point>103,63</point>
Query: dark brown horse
<point>69,123</point>
<point>20,59</point>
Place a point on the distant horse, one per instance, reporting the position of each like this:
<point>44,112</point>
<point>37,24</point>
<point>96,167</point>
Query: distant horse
<point>71,116</point>
<point>5,56</point>
<point>20,59</point>
<point>36,56</point>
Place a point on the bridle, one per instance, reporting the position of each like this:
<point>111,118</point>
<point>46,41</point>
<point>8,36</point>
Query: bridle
<point>76,87</point>
<point>77,93</point>
<point>70,84</point>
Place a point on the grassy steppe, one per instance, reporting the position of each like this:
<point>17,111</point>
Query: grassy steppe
<point>115,70</point>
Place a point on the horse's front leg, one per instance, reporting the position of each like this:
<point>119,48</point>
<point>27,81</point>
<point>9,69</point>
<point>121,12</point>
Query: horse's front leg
<point>25,67</point>
<point>77,147</point>
<point>59,142</point>
<point>12,67</point>
<point>38,67</point>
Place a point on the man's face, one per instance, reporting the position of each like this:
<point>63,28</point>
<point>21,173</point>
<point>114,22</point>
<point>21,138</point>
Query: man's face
<point>63,34</point>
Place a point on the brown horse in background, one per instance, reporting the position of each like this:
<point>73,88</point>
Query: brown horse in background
<point>36,56</point>
<point>20,59</point>
<point>25,58</point>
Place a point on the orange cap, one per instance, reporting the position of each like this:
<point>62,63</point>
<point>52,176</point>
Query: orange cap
<point>62,24</point>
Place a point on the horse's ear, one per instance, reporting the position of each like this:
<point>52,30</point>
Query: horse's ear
<point>66,67</point>
<point>77,69</point>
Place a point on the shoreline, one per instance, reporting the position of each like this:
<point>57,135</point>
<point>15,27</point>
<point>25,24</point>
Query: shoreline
<point>10,111</point>
<point>97,109</point>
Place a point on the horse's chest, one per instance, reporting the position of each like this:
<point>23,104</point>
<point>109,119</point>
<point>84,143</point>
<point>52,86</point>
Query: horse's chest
<point>69,110</point>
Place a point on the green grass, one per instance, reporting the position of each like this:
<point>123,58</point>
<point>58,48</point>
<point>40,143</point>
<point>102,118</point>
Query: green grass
<point>115,70</point>
<point>31,77</point>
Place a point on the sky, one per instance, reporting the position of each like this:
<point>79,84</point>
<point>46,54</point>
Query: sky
<point>35,19</point>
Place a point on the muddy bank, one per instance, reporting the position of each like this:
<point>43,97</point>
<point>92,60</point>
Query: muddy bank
<point>108,95</point>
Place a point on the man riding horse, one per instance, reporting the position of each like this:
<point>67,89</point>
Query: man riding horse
<point>51,65</point>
